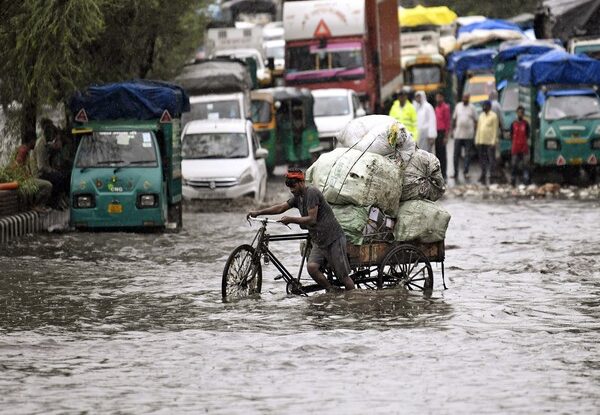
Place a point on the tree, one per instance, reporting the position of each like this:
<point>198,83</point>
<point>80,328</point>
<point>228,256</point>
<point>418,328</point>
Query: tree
<point>50,48</point>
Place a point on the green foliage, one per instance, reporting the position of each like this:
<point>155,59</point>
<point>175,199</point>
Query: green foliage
<point>11,173</point>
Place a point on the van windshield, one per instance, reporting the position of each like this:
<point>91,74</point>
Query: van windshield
<point>331,106</point>
<point>212,111</point>
<point>117,149</point>
<point>573,107</point>
<point>214,146</point>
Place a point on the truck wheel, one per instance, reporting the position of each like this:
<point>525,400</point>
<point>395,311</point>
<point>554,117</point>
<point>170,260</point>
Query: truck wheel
<point>175,215</point>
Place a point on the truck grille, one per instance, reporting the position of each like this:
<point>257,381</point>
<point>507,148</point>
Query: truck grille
<point>212,183</point>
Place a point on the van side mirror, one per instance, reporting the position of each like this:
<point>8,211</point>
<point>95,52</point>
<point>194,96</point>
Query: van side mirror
<point>271,63</point>
<point>360,112</point>
<point>261,153</point>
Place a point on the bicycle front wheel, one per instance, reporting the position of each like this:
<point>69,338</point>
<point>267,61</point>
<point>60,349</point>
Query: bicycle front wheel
<point>242,275</point>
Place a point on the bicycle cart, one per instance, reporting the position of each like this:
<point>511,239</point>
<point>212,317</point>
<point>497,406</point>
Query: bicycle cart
<point>375,265</point>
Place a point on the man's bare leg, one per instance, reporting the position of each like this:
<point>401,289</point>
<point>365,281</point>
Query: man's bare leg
<point>318,276</point>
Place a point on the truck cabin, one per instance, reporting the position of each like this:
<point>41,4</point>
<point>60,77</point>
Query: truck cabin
<point>571,104</point>
<point>335,59</point>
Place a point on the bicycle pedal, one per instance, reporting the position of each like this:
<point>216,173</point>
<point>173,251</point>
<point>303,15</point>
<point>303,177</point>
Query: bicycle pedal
<point>279,277</point>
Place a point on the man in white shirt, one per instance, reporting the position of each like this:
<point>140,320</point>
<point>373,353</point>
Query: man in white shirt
<point>464,124</point>
<point>425,122</point>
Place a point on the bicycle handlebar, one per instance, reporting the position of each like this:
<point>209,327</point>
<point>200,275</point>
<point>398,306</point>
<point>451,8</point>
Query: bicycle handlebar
<point>265,220</point>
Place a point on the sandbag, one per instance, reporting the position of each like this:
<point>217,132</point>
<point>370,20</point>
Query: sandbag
<point>379,134</point>
<point>351,177</point>
<point>421,221</point>
<point>353,220</point>
<point>423,177</point>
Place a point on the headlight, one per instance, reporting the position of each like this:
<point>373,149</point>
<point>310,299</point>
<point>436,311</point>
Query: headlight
<point>84,201</point>
<point>597,130</point>
<point>596,144</point>
<point>552,145</point>
<point>147,201</point>
<point>246,178</point>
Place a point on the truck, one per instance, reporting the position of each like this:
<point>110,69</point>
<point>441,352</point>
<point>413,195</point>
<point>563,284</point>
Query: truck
<point>217,88</point>
<point>559,93</point>
<point>240,43</point>
<point>341,44</point>
<point>127,168</point>
<point>588,45</point>
<point>470,71</point>
<point>505,73</point>
<point>422,63</point>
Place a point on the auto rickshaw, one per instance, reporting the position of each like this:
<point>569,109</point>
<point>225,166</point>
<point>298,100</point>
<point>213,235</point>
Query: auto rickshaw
<point>297,139</point>
<point>265,126</point>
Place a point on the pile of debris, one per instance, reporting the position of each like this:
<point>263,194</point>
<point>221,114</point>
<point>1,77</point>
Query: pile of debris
<point>546,191</point>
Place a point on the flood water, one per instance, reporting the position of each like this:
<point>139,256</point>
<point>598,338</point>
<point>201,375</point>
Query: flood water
<point>134,323</point>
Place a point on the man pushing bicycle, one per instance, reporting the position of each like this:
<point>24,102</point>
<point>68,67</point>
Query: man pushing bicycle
<point>326,234</point>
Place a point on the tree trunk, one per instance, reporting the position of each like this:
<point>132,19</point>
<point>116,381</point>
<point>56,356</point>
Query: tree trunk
<point>29,120</point>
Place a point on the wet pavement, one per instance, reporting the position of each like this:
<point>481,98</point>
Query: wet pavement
<point>134,323</point>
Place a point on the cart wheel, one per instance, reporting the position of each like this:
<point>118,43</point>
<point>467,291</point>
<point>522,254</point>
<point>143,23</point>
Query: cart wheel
<point>408,266</point>
<point>242,275</point>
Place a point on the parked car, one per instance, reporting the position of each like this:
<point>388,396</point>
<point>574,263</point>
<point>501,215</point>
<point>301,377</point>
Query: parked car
<point>222,159</point>
<point>333,109</point>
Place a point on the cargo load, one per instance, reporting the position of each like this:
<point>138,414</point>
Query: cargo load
<point>421,221</point>
<point>348,176</point>
<point>218,76</point>
<point>379,134</point>
<point>364,224</point>
<point>423,177</point>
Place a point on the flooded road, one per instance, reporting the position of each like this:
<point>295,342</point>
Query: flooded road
<point>130,323</point>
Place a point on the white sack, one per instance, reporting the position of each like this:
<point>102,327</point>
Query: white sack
<point>423,177</point>
<point>421,221</point>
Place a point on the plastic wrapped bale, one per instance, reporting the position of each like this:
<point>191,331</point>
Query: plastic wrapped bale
<point>353,220</point>
<point>351,177</point>
<point>421,221</point>
<point>423,177</point>
<point>379,134</point>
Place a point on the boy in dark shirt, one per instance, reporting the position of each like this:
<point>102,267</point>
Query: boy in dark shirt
<point>519,134</point>
<point>327,236</point>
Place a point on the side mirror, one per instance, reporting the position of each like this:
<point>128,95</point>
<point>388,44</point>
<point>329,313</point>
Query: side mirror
<point>360,112</point>
<point>261,153</point>
<point>271,63</point>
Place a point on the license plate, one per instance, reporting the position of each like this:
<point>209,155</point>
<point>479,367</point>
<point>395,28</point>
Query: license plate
<point>115,208</point>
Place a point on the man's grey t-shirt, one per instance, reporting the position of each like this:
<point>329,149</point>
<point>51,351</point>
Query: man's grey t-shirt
<point>327,229</point>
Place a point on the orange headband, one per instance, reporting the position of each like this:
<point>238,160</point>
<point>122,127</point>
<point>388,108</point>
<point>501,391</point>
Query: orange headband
<point>298,175</point>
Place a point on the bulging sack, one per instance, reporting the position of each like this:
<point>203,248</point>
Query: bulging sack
<point>422,221</point>
<point>353,220</point>
<point>351,177</point>
<point>423,177</point>
<point>379,134</point>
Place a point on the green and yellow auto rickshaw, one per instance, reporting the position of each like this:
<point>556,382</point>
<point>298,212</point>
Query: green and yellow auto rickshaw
<point>265,125</point>
<point>296,141</point>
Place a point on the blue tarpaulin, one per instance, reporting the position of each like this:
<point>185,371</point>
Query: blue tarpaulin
<point>559,67</point>
<point>489,24</point>
<point>512,50</point>
<point>139,99</point>
<point>471,60</point>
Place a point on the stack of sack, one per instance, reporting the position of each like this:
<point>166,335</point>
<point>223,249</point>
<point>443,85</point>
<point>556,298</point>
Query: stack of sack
<point>380,186</point>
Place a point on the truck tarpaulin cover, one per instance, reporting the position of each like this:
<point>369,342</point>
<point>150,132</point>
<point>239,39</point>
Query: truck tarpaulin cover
<point>419,15</point>
<point>489,24</point>
<point>471,60</point>
<point>142,100</point>
<point>559,67</point>
<point>215,77</point>
<point>511,50</point>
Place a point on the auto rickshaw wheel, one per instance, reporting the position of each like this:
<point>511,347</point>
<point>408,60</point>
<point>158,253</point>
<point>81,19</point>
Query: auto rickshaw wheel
<point>405,265</point>
<point>242,275</point>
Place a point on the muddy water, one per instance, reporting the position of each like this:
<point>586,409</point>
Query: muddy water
<point>129,323</point>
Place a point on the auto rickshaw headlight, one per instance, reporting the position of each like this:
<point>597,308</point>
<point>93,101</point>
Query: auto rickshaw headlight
<point>147,201</point>
<point>84,201</point>
<point>597,130</point>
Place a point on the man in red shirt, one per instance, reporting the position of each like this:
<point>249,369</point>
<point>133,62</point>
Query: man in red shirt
<point>442,118</point>
<point>519,134</point>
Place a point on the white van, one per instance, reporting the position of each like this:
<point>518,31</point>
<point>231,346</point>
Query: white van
<point>218,106</point>
<point>222,159</point>
<point>333,109</point>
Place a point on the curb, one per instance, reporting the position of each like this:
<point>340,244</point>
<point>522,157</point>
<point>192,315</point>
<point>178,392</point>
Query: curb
<point>27,223</point>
